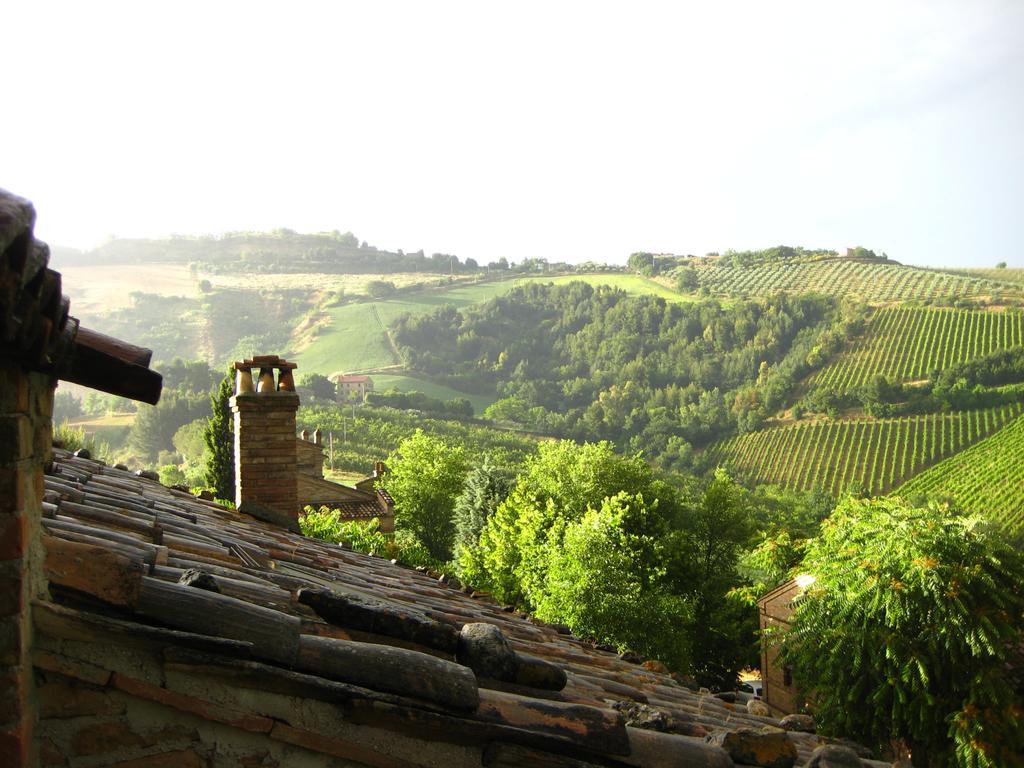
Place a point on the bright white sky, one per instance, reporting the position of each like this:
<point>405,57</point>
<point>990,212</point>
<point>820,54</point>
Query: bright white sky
<point>553,129</point>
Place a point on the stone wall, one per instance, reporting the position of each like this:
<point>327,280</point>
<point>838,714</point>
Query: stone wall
<point>775,612</point>
<point>26,407</point>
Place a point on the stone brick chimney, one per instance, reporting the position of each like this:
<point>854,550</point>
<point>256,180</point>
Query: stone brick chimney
<point>266,477</point>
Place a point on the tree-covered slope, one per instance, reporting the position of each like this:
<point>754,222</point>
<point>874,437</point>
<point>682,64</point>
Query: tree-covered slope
<point>649,375</point>
<point>874,455</point>
<point>987,478</point>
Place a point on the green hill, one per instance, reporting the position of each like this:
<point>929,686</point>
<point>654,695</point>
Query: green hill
<point>875,281</point>
<point>908,343</point>
<point>876,454</point>
<point>987,478</point>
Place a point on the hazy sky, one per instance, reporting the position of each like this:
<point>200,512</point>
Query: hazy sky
<point>553,129</point>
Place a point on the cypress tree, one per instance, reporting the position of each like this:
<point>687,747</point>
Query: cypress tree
<point>220,440</point>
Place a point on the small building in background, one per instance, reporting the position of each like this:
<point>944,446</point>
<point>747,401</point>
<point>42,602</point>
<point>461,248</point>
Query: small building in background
<point>353,388</point>
<point>775,613</point>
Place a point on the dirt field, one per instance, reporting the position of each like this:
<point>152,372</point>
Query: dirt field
<point>106,287</point>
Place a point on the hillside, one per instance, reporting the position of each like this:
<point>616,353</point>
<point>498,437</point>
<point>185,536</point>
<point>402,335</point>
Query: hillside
<point>987,478</point>
<point>907,343</point>
<point>873,454</point>
<point>876,281</point>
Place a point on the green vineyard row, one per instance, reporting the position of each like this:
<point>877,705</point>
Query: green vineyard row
<point>877,282</point>
<point>907,343</point>
<point>987,478</point>
<point>875,454</point>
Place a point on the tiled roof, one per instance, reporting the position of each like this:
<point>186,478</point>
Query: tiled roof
<point>311,600</point>
<point>353,379</point>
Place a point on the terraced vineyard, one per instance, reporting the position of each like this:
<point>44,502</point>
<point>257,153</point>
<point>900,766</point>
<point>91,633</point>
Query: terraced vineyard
<point>875,281</point>
<point>907,343</point>
<point>987,478</point>
<point>876,454</point>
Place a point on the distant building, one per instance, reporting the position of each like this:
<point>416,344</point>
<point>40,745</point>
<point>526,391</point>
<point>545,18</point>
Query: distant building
<point>364,502</point>
<point>775,610</point>
<point>353,388</point>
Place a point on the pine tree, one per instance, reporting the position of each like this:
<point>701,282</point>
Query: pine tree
<point>220,439</point>
<point>485,488</point>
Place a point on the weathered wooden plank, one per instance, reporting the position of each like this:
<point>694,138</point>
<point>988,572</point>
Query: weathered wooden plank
<point>389,669</point>
<point>61,621</point>
<point>274,635</point>
<point>599,730</point>
<point>92,570</point>
<point>349,610</point>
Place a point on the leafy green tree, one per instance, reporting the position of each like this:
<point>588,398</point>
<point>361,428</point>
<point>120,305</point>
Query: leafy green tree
<point>560,483</point>
<point>687,280</point>
<point>607,582</point>
<point>715,531</point>
<point>379,288</point>
<point>425,476</point>
<point>485,488</point>
<point>321,387</point>
<point>906,631</point>
<point>220,440</point>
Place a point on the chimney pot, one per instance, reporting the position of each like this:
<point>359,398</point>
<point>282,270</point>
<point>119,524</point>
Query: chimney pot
<point>243,381</point>
<point>318,436</point>
<point>305,435</point>
<point>266,383</point>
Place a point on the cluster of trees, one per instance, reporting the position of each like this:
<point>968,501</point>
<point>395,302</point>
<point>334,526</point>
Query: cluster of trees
<point>650,376</point>
<point>456,407</point>
<point>581,535</point>
<point>902,639</point>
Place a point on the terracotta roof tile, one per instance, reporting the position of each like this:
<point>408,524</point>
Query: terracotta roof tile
<point>258,630</point>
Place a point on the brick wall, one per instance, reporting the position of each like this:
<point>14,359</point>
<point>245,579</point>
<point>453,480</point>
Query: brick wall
<point>26,407</point>
<point>266,471</point>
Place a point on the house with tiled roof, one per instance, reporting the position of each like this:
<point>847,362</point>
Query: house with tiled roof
<point>142,627</point>
<point>353,387</point>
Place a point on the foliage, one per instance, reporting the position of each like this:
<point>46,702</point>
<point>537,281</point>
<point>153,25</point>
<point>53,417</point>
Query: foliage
<point>376,432</point>
<point>607,583</point>
<point>911,343</point>
<point>425,475</point>
<point>66,407</point>
<point>986,479</point>
<point>379,288</point>
<point>878,281</point>
<point>456,407</point>
<point>154,426</point>
<point>596,364</point>
<point>361,535</point>
<point>577,512</point>
<point>220,440</point>
<point>835,455</point>
<point>486,486</point>
<point>74,439</point>
<point>320,386</point>
<point>906,630</point>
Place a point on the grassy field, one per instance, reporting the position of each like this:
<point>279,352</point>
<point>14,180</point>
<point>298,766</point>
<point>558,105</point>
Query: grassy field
<point>634,285</point>
<point>112,429</point>
<point>987,478</point>
<point>875,454</point>
<point>875,282</point>
<point>907,343</point>
<point>353,285</point>
<point>382,382</point>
